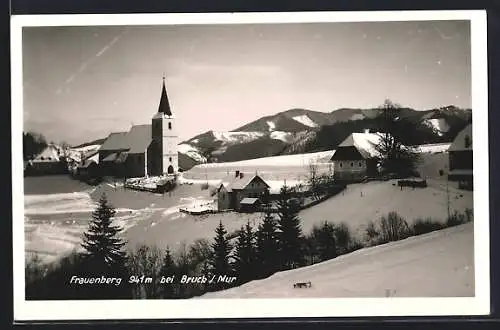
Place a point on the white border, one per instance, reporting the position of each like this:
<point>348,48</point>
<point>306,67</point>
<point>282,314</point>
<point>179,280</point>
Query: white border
<point>260,308</point>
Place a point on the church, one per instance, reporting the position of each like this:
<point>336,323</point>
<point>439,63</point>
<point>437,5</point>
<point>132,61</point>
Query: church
<point>145,150</point>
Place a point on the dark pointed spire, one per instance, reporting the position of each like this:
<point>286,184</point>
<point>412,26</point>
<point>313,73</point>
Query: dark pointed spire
<point>164,104</point>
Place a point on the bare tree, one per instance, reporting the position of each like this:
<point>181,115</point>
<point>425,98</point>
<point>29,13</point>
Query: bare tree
<point>396,157</point>
<point>313,179</point>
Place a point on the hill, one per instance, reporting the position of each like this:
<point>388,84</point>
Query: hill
<point>438,264</point>
<point>301,130</point>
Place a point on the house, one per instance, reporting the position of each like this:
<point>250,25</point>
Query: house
<point>241,191</point>
<point>49,161</point>
<point>460,156</point>
<point>88,167</point>
<point>356,158</point>
<point>145,150</point>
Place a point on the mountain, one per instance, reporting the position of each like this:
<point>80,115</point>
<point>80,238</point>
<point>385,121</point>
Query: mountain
<point>302,130</point>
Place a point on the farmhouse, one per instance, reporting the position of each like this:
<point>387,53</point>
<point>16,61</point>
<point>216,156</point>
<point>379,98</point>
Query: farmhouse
<point>145,150</point>
<point>241,192</point>
<point>47,162</point>
<point>460,158</point>
<point>356,157</point>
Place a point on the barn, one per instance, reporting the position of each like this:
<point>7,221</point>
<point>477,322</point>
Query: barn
<point>356,157</point>
<point>241,192</point>
<point>460,156</point>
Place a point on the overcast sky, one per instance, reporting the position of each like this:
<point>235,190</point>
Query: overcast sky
<point>81,83</point>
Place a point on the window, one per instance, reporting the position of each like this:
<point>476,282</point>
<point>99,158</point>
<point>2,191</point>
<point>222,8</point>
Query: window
<point>359,164</point>
<point>169,125</point>
<point>467,142</point>
<point>352,164</point>
<point>340,164</point>
<point>170,159</point>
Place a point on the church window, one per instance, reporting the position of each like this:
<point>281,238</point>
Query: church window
<point>340,164</point>
<point>170,159</point>
<point>169,125</point>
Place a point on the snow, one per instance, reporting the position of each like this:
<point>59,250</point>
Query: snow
<point>86,149</point>
<point>284,160</point>
<point>234,137</point>
<point>271,125</point>
<point>191,152</point>
<point>305,120</point>
<point>438,264</point>
<point>367,142</point>
<point>280,135</point>
<point>440,125</point>
<point>357,116</point>
<point>434,148</point>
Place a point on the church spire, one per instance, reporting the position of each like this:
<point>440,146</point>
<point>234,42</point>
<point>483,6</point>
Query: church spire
<point>164,104</point>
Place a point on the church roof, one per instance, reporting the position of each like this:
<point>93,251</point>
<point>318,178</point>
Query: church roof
<point>164,104</point>
<point>115,141</point>
<point>139,138</point>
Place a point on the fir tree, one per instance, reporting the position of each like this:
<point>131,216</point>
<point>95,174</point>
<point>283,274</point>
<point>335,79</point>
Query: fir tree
<point>290,235</point>
<point>167,269</point>
<point>245,254</point>
<point>267,245</point>
<point>103,248</point>
<point>325,241</point>
<point>221,253</point>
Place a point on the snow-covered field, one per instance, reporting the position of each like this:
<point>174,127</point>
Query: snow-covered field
<point>438,264</point>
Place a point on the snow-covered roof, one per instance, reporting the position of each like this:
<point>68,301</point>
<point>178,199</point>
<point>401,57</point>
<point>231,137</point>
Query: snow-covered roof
<point>239,182</point>
<point>50,154</point>
<point>365,143</point>
<point>249,201</point>
<point>459,143</point>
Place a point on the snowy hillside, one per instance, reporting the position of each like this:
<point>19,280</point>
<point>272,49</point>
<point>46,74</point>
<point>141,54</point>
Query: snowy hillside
<point>191,152</point>
<point>305,120</point>
<point>440,125</point>
<point>438,264</point>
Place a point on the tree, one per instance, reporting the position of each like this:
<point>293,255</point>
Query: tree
<point>267,245</point>
<point>245,254</point>
<point>168,268</point>
<point>397,155</point>
<point>313,179</point>
<point>221,254</point>
<point>290,235</point>
<point>145,260</point>
<point>324,238</point>
<point>33,144</point>
<point>103,247</point>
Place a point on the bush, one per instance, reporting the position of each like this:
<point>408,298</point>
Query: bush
<point>393,228</point>
<point>456,219</point>
<point>421,226</point>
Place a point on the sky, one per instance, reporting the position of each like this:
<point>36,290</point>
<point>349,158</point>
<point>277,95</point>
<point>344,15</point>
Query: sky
<point>82,83</point>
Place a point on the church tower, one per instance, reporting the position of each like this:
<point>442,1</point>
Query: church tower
<point>164,138</point>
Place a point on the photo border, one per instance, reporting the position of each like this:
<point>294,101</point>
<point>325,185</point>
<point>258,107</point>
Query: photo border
<point>272,307</point>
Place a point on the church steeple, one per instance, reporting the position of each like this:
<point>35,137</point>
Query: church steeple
<point>164,104</point>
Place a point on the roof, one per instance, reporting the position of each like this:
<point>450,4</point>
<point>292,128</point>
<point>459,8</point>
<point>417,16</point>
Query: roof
<point>459,143</point>
<point>50,153</point>
<point>164,104</point>
<point>249,201</point>
<point>365,143</point>
<point>135,141</point>
<point>111,157</point>
<point>139,138</point>
<point>238,183</point>
<point>115,141</point>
